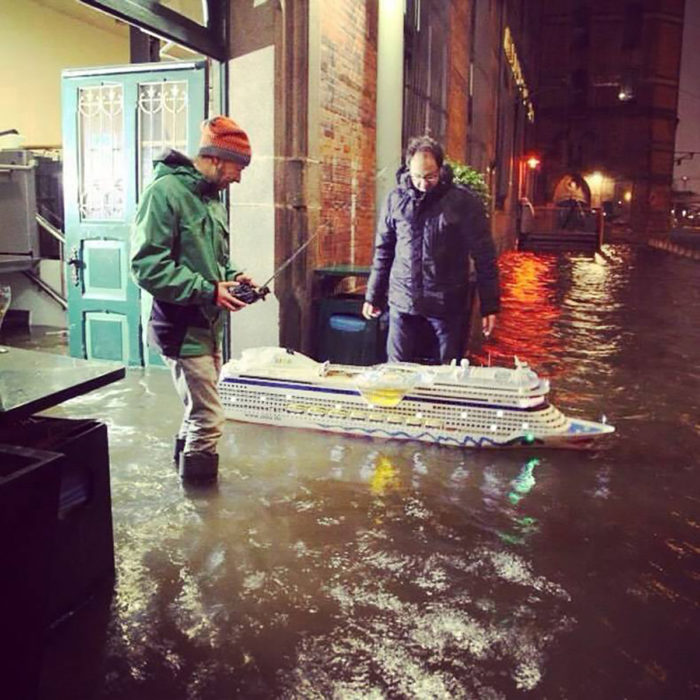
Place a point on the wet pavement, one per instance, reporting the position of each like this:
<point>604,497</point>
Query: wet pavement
<point>323,566</point>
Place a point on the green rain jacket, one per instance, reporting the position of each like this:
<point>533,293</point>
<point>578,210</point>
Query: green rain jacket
<point>179,251</point>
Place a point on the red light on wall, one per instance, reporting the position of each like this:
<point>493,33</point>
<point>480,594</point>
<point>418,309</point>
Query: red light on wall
<point>533,162</point>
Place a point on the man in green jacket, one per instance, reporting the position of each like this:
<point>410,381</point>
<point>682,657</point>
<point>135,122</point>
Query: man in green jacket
<point>180,255</point>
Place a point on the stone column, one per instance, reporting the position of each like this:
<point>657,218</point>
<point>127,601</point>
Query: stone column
<point>389,96</point>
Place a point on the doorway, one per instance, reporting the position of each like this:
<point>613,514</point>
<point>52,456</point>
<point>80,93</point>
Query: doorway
<point>115,121</point>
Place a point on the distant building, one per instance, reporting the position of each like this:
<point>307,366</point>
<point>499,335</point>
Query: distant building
<point>606,105</point>
<point>686,172</point>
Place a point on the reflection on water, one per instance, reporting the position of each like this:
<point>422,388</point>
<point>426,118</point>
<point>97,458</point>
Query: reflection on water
<point>324,566</point>
<point>524,482</point>
<point>530,311</point>
<point>385,478</point>
<point>539,312</point>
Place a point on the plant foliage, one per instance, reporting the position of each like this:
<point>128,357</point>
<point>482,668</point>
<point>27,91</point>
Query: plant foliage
<point>471,178</point>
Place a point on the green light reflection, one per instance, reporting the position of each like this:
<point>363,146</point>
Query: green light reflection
<point>524,525</point>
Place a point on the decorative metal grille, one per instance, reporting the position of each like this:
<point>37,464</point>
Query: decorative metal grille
<point>101,152</point>
<point>162,123</point>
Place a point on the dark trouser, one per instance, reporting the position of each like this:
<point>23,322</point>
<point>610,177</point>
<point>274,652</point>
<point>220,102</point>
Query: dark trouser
<point>424,339</point>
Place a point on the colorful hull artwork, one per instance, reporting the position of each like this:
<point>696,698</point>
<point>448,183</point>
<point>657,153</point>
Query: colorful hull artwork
<point>458,405</point>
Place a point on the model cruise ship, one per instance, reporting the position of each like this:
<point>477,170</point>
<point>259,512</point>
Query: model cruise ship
<point>458,405</point>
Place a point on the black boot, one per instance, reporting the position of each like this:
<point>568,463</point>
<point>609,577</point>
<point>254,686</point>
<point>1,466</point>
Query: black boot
<point>179,447</point>
<point>199,467</point>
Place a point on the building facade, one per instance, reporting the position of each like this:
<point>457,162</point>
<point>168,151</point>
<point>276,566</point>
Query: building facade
<point>352,81</point>
<point>330,92</point>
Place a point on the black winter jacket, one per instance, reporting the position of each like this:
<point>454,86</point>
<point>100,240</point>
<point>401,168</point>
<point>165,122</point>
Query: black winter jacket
<point>422,250</point>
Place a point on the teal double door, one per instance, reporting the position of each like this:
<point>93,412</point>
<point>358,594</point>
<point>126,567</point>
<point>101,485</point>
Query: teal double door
<point>115,121</point>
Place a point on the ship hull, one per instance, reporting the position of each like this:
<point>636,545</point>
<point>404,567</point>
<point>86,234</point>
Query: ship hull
<point>424,416</point>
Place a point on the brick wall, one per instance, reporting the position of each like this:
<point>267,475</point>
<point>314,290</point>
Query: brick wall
<point>347,95</point>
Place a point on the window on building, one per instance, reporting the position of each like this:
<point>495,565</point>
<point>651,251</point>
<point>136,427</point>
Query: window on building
<point>504,146</point>
<point>199,25</point>
<point>195,10</point>
<point>425,69</point>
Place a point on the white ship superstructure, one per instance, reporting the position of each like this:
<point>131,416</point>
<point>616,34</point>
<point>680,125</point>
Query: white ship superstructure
<point>458,405</point>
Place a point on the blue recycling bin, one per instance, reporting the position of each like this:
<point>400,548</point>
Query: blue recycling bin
<point>343,335</point>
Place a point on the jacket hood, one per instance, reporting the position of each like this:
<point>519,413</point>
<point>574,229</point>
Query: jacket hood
<point>170,159</point>
<point>172,162</point>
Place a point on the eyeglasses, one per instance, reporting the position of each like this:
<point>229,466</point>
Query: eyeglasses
<point>429,177</point>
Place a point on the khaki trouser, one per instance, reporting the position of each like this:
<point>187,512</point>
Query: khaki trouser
<point>195,381</point>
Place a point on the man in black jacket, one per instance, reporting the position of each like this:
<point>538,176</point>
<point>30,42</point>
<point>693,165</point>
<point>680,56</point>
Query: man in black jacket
<point>429,228</point>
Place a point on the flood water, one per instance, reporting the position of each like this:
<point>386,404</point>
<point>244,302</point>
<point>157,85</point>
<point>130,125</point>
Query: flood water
<point>332,567</point>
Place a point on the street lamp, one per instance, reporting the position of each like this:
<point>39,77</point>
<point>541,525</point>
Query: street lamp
<point>595,182</point>
<point>529,165</point>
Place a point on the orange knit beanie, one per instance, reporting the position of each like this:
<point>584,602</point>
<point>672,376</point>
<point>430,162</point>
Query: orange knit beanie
<point>223,138</point>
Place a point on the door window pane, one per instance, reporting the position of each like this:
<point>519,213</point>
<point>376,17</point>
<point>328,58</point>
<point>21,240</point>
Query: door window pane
<point>101,152</point>
<point>162,123</point>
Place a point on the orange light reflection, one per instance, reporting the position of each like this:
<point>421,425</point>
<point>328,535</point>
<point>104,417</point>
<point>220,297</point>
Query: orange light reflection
<point>529,311</point>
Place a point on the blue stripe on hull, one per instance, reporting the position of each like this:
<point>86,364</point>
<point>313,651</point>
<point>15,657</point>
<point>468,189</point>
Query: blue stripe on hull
<point>438,439</point>
<point>442,440</point>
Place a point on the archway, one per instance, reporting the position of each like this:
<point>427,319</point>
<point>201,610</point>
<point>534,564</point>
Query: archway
<point>572,186</point>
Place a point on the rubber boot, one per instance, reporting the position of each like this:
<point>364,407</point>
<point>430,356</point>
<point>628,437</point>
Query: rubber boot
<point>199,467</point>
<point>179,447</point>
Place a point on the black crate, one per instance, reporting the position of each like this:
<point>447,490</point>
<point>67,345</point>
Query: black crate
<point>29,488</point>
<point>83,553</point>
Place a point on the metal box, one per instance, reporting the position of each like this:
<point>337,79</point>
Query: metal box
<point>19,235</point>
